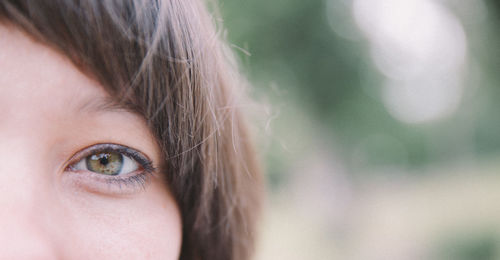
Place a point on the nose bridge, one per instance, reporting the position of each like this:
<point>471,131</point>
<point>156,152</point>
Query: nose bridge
<point>24,201</point>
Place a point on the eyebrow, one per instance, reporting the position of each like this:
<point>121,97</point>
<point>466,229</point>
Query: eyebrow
<point>106,104</point>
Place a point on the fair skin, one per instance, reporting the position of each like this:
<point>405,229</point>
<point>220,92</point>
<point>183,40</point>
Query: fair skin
<point>53,204</point>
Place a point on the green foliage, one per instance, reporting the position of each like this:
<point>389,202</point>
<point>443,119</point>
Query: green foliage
<point>468,246</point>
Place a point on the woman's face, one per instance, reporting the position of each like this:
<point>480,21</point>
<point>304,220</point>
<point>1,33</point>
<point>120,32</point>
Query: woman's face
<point>76,171</point>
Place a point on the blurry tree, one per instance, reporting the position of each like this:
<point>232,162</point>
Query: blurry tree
<point>331,78</point>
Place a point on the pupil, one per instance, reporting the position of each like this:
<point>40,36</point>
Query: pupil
<point>104,160</point>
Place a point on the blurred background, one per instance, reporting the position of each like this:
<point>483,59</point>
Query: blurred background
<point>380,129</point>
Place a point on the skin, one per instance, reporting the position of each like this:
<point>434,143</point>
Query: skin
<point>49,112</point>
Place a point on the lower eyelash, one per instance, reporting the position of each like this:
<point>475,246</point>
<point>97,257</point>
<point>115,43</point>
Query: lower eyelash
<point>139,180</point>
<point>109,185</point>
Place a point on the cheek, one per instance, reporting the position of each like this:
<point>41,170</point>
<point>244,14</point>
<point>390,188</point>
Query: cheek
<point>143,226</point>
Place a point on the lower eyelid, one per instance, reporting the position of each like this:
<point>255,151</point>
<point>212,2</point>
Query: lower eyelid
<point>108,185</point>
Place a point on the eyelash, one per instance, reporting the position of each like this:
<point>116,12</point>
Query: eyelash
<point>135,180</point>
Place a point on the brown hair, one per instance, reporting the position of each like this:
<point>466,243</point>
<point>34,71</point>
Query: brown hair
<point>165,60</point>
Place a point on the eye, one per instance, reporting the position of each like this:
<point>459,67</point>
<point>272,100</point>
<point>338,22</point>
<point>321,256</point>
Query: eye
<point>108,163</point>
<point>110,159</point>
<point>110,169</point>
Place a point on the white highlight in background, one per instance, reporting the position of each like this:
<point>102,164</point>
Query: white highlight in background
<point>421,49</point>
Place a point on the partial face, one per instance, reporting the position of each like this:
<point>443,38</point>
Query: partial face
<point>77,175</point>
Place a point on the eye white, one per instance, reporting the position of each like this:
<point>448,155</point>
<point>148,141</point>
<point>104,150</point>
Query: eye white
<point>129,165</point>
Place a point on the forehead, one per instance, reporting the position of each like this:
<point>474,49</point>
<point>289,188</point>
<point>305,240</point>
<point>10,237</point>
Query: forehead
<point>34,74</point>
<point>41,89</point>
<point>45,99</point>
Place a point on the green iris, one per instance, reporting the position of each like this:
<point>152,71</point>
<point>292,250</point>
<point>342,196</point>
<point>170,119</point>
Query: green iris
<point>109,163</point>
